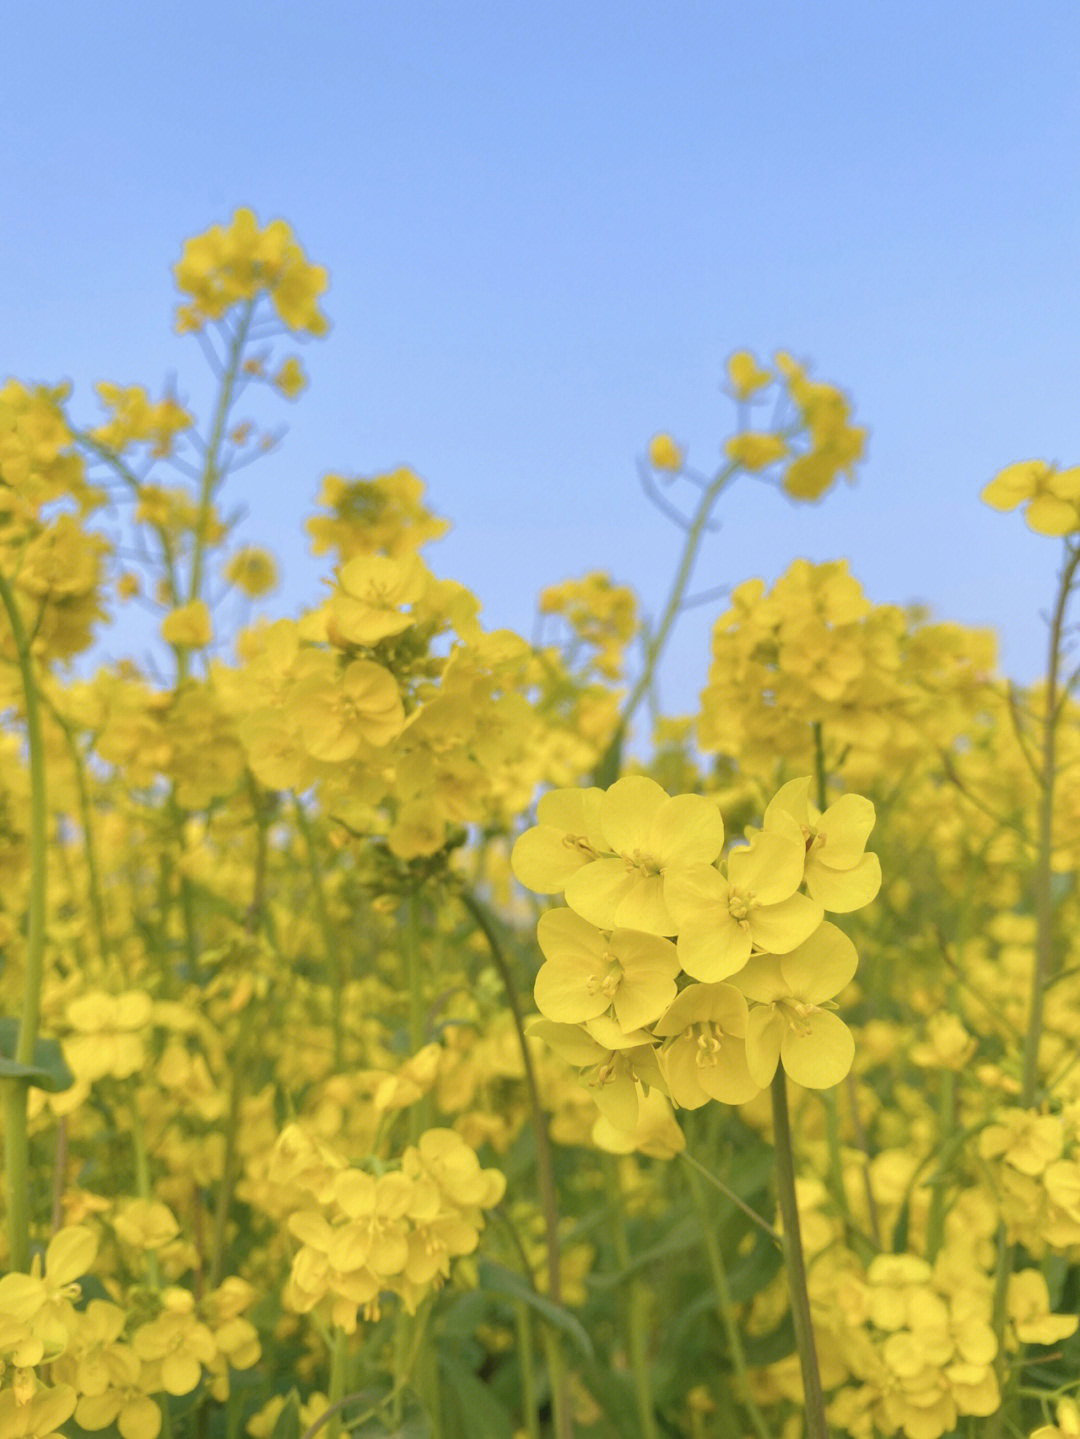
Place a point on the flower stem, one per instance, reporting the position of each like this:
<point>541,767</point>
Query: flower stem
<point>813,1397</point>
<point>635,1313</point>
<point>545,1170</point>
<point>16,1089</point>
<point>1041,880</point>
<point>725,1308</point>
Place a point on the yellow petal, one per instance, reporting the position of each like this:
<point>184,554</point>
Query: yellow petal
<point>822,1058</point>
<point>821,966</point>
<point>543,862</point>
<point>765,1030</point>
<point>685,830</point>
<point>714,949</point>
<point>779,928</point>
<point>1014,484</point>
<point>628,810</point>
<point>842,890</point>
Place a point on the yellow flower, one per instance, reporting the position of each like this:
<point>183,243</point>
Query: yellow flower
<point>290,378</point>
<point>612,1063</point>
<point>567,836</point>
<point>745,375</point>
<point>43,1302</point>
<point>587,971</point>
<point>790,1023</point>
<point>653,837</point>
<point>1052,496</point>
<point>755,451</point>
<point>110,1033</point>
<point>367,606</point>
<point>721,920</point>
<point>706,1056</point>
<point>1028,1308</point>
<point>40,1417</point>
<point>665,454</point>
<point>252,570</point>
<point>189,626</point>
<point>838,874</point>
<point>177,1343</point>
<point>656,1134</point>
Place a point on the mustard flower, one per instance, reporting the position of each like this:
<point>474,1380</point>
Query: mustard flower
<point>110,1032</point>
<point>612,1064</point>
<point>176,1344</point>
<point>754,450</point>
<point>745,375</point>
<point>566,836</point>
<point>665,454</point>
<point>720,921</point>
<point>1028,1308</point>
<point>792,1021</point>
<point>657,1133</point>
<point>372,591</point>
<point>587,971</point>
<point>43,1301</point>
<point>652,837</point>
<point>189,626</point>
<point>40,1417</point>
<point>839,875</point>
<point>1052,496</point>
<point>705,1057</point>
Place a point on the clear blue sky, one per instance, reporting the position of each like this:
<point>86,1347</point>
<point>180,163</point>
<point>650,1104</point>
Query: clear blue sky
<point>548,225</point>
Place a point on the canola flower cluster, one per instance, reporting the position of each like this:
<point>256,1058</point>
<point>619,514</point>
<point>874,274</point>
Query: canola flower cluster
<point>363,1235</point>
<point>666,971</point>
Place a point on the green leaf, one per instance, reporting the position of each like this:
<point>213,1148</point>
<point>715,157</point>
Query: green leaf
<point>494,1279</point>
<point>472,1402</point>
<point>288,1421</point>
<point>48,1071</point>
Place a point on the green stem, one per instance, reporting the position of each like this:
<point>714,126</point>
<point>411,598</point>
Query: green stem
<point>813,1397</point>
<point>523,1325</point>
<point>143,1186</point>
<point>212,473</point>
<point>635,1313</point>
<point>752,1214</point>
<point>654,647</point>
<point>337,1380</point>
<point>333,951</point>
<point>1041,880</point>
<point>16,1090</point>
<point>544,1168</point>
<point>725,1308</point>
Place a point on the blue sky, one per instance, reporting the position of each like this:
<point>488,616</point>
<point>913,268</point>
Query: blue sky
<point>548,226</point>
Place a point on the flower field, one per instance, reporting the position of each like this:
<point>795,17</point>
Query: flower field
<point>409,1029</point>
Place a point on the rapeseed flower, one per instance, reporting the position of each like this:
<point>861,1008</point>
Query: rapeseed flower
<point>792,1020</point>
<point>588,971</point>
<point>648,838</point>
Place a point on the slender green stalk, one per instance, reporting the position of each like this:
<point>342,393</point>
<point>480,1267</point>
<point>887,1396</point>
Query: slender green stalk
<point>752,1214</point>
<point>1041,880</point>
<point>544,1167</point>
<point>529,1404</point>
<point>230,1170</point>
<point>16,1089</point>
<point>634,1312</point>
<point>333,951</point>
<point>212,473</point>
<point>813,1396</point>
<point>143,1186</point>
<point>658,638</point>
<point>725,1308</point>
<point>337,1380</point>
